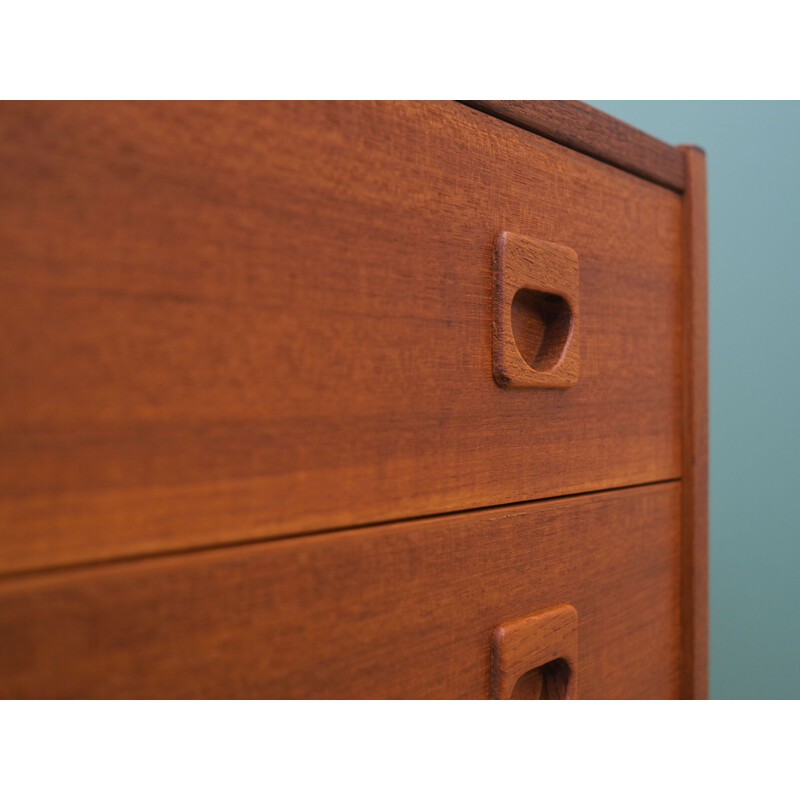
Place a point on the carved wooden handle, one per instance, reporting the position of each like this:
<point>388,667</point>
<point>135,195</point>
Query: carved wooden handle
<point>536,657</point>
<point>535,316</point>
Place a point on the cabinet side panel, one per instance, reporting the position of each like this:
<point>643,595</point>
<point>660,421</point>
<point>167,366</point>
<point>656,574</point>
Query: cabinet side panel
<point>694,550</point>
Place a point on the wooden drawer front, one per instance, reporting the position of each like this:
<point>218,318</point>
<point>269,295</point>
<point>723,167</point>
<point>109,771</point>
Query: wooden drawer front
<point>403,610</point>
<point>223,322</point>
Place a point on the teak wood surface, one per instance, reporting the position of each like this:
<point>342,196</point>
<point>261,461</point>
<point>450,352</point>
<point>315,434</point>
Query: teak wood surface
<point>224,322</point>
<point>399,610</point>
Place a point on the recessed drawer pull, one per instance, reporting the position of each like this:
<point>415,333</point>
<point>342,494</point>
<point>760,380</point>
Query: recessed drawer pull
<point>535,315</point>
<point>536,657</point>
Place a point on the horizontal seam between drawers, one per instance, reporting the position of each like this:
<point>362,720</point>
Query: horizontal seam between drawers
<point>164,554</point>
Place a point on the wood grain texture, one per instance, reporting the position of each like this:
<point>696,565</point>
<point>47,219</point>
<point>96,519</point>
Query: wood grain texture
<point>589,130</point>
<point>524,651</point>
<point>401,610</point>
<point>695,429</point>
<point>222,322</point>
<point>536,313</point>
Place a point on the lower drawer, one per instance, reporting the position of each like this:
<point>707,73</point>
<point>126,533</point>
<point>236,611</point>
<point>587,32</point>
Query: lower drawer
<point>401,610</point>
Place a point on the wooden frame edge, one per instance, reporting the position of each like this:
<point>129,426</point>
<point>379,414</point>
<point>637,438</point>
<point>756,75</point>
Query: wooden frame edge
<point>694,445</point>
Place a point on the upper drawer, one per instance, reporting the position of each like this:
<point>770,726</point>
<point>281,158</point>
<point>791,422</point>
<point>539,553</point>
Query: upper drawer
<point>228,321</point>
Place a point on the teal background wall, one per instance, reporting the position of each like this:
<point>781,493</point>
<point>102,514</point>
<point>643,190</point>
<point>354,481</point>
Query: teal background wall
<point>753,154</point>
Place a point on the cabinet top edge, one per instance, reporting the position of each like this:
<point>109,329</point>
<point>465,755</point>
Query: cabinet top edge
<point>595,133</point>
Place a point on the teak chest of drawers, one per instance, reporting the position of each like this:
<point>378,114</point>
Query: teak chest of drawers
<point>350,400</point>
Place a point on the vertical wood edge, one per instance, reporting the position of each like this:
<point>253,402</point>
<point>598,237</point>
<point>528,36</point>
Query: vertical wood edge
<point>694,446</point>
